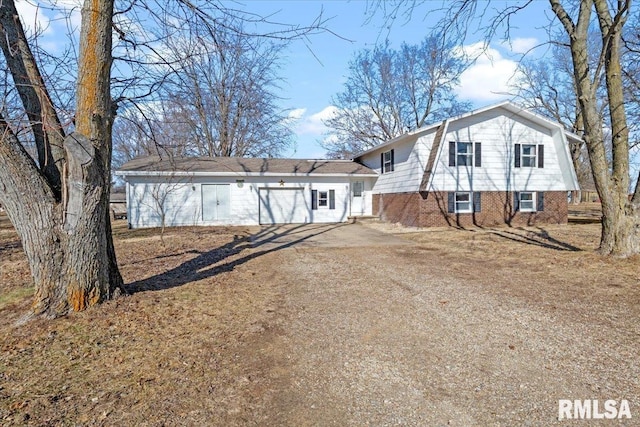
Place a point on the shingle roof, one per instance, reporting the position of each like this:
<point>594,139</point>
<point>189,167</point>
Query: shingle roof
<point>241,165</point>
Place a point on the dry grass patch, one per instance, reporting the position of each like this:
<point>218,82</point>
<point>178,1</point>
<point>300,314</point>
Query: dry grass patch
<point>179,350</point>
<point>206,336</point>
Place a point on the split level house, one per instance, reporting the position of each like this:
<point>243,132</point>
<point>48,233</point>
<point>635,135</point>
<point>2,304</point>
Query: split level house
<point>496,165</point>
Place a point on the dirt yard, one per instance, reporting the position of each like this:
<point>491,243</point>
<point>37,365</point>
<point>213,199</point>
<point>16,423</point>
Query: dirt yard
<point>330,325</point>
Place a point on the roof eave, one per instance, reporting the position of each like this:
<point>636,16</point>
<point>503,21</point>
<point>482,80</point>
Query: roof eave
<point>126,173</point>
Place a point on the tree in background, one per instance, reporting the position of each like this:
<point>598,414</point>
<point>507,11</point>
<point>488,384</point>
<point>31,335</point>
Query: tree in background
<point>218,98</point>
<point>390,92</point>
<point>224,92</point>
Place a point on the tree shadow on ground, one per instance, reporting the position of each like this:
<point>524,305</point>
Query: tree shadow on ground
<point>540,238</point>
<point>208,264</point>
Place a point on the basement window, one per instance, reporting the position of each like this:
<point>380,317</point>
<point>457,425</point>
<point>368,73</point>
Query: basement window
<point>463,203</point>
<point>527,201</point>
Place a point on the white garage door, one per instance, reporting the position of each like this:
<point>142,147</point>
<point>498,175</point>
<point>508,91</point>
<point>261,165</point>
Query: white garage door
<point>283,206</point>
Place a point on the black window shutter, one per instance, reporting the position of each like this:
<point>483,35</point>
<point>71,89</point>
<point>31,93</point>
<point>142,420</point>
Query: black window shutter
<point>332,199</point>
<point>392,161</point>
<point>451,202</point>
<point>517,153</point>
<point>452,153</point>
<point>381,163</point>
<point>477,201</point>
<point>516,201</point>
<point>478,154</point>
<point>540,201</point>
<point>540,156</point>
<point>314,200</point>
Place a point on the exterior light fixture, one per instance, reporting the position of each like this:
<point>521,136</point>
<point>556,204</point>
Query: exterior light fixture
<point>240,183</point>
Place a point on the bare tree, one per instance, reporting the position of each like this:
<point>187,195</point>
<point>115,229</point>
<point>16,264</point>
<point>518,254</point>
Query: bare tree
<point>215,96</point>
<point>225,92</point>
<point>58,201</point>
<point>390,92</point>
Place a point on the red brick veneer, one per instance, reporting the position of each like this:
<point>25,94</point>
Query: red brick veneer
<point>430,210</point>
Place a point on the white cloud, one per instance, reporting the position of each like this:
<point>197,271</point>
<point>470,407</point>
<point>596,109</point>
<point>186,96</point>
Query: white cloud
<point>313,124</point>
<point>522,45</point>
<point>32,17</point>
<point>487,80</point>
<point>52,20</point>
<point>297,113</point>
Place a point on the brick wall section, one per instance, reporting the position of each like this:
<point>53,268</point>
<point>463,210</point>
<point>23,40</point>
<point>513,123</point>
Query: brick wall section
<point>430,210</point>
<point>398,207</point>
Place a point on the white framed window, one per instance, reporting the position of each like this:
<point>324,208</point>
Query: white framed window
<point>527,201</point>
<point>529,156</point>
<point>323,199</point>
<point>463,203</point>
<point>464,154</point>
<point>387,161</point>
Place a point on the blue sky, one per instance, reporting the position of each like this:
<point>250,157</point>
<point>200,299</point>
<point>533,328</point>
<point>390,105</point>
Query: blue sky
<point>315,69</point>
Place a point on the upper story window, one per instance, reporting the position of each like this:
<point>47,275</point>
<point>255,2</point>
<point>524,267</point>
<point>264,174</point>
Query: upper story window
<point>465,154</point>
<point>387,161</point>
<point>529,155</point>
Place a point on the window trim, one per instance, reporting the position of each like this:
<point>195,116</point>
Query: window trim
<point>360,186</point>
<point>329,198</point>
<point>473,155</point>
<point>537,161</point>
<point>468,154</point>
<point>531,159</point>
<point>469,195</point>
<point>533,201</point>
<point>387,161</point>
<point>323,202</point>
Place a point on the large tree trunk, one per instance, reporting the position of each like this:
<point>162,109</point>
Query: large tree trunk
<point>620,222</point>
<point>66,234</point>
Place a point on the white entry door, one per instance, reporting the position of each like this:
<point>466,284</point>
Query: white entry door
<point>283,206</point>
<point>215,202</point>
<point>357,198</point>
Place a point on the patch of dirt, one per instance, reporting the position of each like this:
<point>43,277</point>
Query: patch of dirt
<point>473,327</point>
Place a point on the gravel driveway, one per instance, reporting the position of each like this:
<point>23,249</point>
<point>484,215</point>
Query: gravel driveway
<point>382,330</point>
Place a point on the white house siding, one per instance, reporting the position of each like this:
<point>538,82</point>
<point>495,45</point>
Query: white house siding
<point>498,131</point>
<point>410,159</point>
<point>184,198</point>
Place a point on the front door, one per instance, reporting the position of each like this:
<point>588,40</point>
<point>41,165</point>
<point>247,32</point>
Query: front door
<point>357,198</point>
<point>215,202</point>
